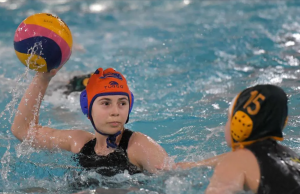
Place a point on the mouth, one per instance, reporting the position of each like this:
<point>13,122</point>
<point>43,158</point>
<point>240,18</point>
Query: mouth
<point>114,123</point>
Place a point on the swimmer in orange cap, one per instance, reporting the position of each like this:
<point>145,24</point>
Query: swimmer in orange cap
<point>257,162</point>
<point>107,102</point>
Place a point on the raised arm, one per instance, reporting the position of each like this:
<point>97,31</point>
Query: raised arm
<point>25,124</point>
<point>27,115</point>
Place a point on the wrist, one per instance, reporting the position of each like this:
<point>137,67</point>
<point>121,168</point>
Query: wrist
<point>43,77</point>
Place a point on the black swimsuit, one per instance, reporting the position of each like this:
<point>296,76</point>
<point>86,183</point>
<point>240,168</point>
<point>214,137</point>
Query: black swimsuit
<point>110,165</point>
<point>279,168</point>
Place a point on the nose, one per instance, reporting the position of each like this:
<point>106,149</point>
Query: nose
<point>115,110</point>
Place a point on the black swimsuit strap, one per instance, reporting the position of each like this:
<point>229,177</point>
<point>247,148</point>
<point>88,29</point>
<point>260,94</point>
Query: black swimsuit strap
<point>125,140</point>
<point>88,148</point>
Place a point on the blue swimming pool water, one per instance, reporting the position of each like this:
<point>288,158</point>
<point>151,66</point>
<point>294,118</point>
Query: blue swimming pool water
<point>184,60</point>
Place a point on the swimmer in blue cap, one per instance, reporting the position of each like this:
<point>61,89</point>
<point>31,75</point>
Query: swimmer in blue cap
<point>256,119</point>
<point>107,102</point>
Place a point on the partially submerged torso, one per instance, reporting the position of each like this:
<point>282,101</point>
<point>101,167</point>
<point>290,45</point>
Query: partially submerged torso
<point>110,165</point>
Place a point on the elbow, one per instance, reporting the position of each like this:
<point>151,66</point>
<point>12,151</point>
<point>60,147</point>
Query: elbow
<point>16,133</point>
<point>19,132</point>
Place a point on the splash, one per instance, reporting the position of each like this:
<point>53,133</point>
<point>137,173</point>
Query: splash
<point>10,110</point>
<point>5,161</point>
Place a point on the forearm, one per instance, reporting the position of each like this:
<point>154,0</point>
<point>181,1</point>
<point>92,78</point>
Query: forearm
<point>28,110</point>
<point>207,162</point>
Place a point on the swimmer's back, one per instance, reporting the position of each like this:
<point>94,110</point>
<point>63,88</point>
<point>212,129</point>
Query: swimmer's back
<point>279,168</point>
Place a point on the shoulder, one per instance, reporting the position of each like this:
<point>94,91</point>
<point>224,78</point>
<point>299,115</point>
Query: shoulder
<point>140,144</point>
<point>135,138</point>
<point>236,171</point>
<point>138,139</point>
<point>146,153</point>
<point>242,163</point>
<point>237,161</point>
<point>285,149</point>
<point>240,157</point>
<point>79,139</point>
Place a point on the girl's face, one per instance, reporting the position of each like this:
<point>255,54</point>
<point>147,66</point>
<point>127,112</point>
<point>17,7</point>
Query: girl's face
<point>110,113</point>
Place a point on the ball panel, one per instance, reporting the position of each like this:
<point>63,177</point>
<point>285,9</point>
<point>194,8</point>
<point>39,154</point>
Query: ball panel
<point>44,47</point>
<point>26,31</point>
<point>52,23</point>
<point>35,62</point>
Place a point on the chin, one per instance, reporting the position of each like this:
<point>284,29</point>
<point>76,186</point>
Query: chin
<point>114,129</point>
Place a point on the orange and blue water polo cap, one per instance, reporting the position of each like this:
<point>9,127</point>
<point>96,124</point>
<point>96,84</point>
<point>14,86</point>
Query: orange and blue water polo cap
<point>104,83</point>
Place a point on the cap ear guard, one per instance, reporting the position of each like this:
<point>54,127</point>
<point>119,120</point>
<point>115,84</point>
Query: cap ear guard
<point>241,126</point>
<point>84,103</point>
<point>132,101</point>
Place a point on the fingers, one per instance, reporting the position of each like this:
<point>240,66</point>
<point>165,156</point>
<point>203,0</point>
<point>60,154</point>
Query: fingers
<point>159,167</point>
<point>53,72</point>
<point>47,76</point>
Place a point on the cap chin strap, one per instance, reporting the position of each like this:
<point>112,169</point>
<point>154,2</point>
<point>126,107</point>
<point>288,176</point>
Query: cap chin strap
<point>111,140</point>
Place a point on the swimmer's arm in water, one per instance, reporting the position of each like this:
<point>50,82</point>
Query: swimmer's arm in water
<point>25,124</point>
<point>212,162</point>
<point>145,153</point>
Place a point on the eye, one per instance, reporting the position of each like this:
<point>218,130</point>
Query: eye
<point>123,103</point>
<point>106,103</point>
